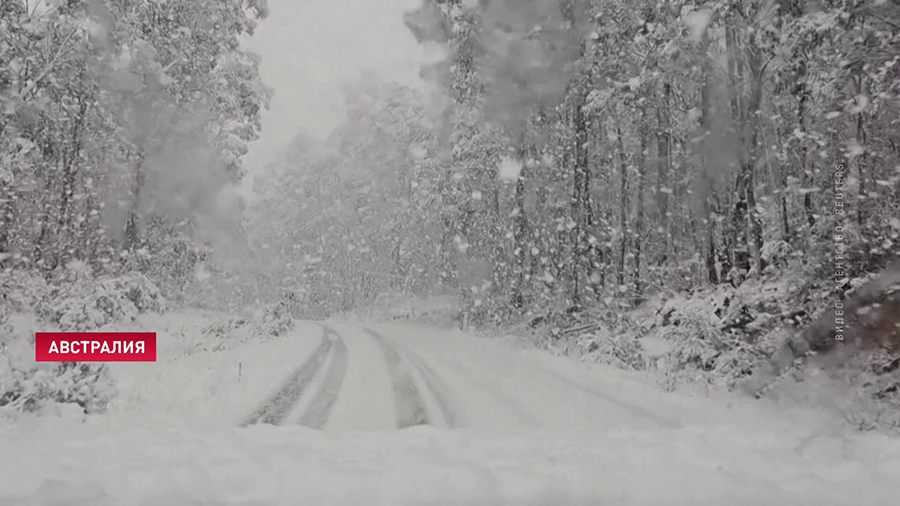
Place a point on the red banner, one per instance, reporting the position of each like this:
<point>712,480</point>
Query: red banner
<point>95,346</point>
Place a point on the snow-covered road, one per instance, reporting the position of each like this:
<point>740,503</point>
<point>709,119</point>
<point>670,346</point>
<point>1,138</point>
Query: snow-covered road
<point>393,414</point>
<point>372,378</point>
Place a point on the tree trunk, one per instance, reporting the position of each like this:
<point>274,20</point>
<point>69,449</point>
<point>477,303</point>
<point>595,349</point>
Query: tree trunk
<point>734,238</point>
<point>70,165</point>
<point>623,206</point>
<point>132,232</point>
<point>805,169</point>
<point>783,184</point>
<point>6,216</point>
<point>664,164</point>
<point>639,210</point>
<point>708,189</point>
<point>582,211</point>
<point>751,156</point>
<point>861,167</point>
<point>520,227</point>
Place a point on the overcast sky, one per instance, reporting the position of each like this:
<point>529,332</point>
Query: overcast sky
<point>309,47</point>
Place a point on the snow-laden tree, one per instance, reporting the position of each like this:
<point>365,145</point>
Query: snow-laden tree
<point>122,128</point>
<point>692,144</point>
<point>337,225</point>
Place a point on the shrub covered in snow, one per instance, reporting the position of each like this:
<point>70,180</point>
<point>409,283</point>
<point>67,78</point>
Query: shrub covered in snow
<point>715,336</point>
<point>21,290</point>
<point>622,351</point>
<point>727,337</point>
<point>76,301</point>
<point>88,304</point>
<point>277,319</point>
<point>442,311</point>
<point>26,385</point>
<point>84,384</point>
<point>219,335</point>
<point>273,320</point>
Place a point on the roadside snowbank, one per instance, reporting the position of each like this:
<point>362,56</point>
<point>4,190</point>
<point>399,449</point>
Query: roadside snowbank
<point>197,380</point>
<point>211,370</point>
<point>726,338</point>
<point>76,301</point>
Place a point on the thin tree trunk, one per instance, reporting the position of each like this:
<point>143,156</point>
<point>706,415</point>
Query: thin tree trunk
<point>782,186</point>
<point>623,206</point>
<point>582,212</point>
<point>132,233</point>
<point>734,237</point>
<point>65,220</point>
<point>861,166</point>
<point>520,227</point>
<point>708,190</point>
<point>752,155</point>
<point>805,169</point>
<point>664,165</point>
<point>6,216</point>
<point>639,220</point>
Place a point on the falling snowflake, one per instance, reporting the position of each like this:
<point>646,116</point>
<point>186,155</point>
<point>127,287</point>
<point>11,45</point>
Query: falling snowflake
<point>855,149</point>
<point>510,169</point>
<point>418,152</point>
<point>697,22</point>
<point>859,104</point>
<point>201,274</point>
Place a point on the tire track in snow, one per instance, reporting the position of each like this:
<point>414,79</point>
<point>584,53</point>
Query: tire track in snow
<point>276,408</point>
<point>430,380</point>
<point>317,413</point>
<point>515,407</point>
<point>407,399</point>
<point>436,387</point>
<point>669,423</point>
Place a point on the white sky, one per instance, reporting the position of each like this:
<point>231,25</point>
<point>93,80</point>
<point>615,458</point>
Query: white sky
<point>309,47</point>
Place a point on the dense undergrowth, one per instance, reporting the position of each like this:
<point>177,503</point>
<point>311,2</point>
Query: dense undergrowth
<point>78,301</point>
<point>725,337</point>
<point>75,302</point>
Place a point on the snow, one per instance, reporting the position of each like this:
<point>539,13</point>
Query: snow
<point>214,388</point>
<point>510,169</point>
<point>697,22</point>
<point>531,429</point>
<point>855,149</point>
<point>365,402</point>
<point>294,465</point>
<point>858,104</point>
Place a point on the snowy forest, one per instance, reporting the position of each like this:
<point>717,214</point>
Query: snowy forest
<point>668,185</point>
<point>579,155</point>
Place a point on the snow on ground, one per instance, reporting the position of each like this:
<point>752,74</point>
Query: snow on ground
<point>533,429</point>
<point>365,402</point>
<point>189,384</point>
<point>697,465</point>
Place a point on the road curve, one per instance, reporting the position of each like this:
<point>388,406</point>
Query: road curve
<point>396,377</point>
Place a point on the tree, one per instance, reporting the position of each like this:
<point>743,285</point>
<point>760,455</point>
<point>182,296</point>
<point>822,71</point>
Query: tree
<point>118,118</point>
